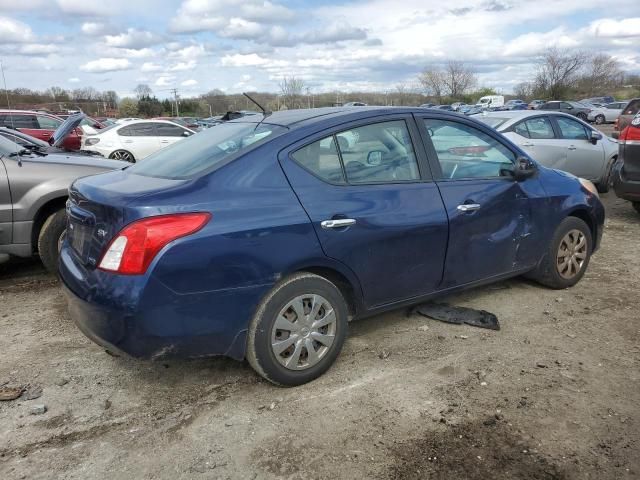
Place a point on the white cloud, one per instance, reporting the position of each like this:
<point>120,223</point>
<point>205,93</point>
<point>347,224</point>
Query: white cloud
<point>106,65</point>
<point>165,80</point>
<point>93,28</point>
<point>38,49</point>
<point>132,38</point>
<point>189,83</point>
<point>530,44</point>
<point>83,8</point>
<point>200,15</point>
<point>240,28</point>
<point>237,60</point>
<point>150,67</point>
<point>13,31</point>
<point>607,27</point>
<point>182,66</point>
<point>74,80</point>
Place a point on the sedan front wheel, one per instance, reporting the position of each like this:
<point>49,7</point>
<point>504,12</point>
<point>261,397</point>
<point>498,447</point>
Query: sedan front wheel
<point>567,256</point>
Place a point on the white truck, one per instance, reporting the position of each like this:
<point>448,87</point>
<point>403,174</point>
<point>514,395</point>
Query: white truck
<point>491,101</point>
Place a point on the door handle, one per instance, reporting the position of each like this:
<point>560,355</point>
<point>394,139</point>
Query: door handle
<point>339,223</point>
<point>571,147</point>
<point>468,207</point>
<point>528,145</point>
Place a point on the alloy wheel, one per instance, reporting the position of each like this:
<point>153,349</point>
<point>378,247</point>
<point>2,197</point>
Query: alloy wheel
<point>303,332</point>
<point>572,254</point>
<point>599,120</point>
<point>122,155</point>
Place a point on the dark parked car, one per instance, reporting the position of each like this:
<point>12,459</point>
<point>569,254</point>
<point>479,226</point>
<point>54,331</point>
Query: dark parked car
<point>260,238</point>
<point>626,115</point>
<point>626,180</point>
<point>33,190</point>
<point>446,108</point>
<point>576,109</point>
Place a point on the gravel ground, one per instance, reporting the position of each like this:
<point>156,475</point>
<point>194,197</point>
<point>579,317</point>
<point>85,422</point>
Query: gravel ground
<point>553,395</point>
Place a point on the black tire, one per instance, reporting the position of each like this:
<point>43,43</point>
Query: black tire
<point>599,120</point>
<point>548,271</point>
<point>49,238</point>
<point>261,355</point>
<point>606,182</point>
<point>123,155</point>
<point>582,116</point>
<point>636,205</point>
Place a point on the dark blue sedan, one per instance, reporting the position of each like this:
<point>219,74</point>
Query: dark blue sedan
<point>260,238</point>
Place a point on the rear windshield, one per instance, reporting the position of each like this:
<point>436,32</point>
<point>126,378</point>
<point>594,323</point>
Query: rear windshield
<point>493,122</point>
<point>204,150</point>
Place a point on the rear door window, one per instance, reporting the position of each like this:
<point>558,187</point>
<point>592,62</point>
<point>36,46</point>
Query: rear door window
<point>48,123</point>
<point>321,158</point>
<point>571,129</point>
<point>539,128</point>
<point>168,130</point>
<point>379,153</point>
<point>21,121</point>
<point>138,130</point>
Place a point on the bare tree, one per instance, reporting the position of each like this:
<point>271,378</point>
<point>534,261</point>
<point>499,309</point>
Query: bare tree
<point>558,72</point>
<point>292,89</point>
<point>432,81</point>
<point>458,78</point>
<point>142,90</point>
<point>523,90</point>
<point>602,72</point>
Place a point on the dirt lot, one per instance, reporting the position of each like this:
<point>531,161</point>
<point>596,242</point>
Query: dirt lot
<point>555,394</point>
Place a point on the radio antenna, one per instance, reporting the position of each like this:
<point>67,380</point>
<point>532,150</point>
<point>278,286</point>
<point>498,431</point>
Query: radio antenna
<point>6,91</point>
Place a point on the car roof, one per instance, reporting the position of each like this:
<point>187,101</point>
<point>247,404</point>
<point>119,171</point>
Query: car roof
<point>26,112</point>
<point>294,118</point>
<point>516,114</point>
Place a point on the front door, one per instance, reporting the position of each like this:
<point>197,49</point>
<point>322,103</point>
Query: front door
<point>368,192</point>
<point>169,134</point>
<point>584,159</point>
<point>6,207</point>
<point>489,213</point>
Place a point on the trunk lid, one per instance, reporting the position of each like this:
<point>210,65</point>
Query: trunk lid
<point>99,207</point>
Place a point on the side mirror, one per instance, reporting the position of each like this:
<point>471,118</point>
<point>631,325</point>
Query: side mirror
<point>524,169</point>
<point>595,136</point>
<point>374,158</point>
<point>186,134</point>
<point>569,107</point>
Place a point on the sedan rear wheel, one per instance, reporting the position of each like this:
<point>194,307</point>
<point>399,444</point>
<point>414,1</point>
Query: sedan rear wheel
<point>123,155</point>
<point>298,330</point>
<point>599,119</point>
<point>582,116</point>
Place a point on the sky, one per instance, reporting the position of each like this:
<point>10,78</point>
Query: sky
<point>250,45</point>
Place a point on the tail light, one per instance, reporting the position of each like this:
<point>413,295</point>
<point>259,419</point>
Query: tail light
<point>630,135</point>
<point>134,248</point>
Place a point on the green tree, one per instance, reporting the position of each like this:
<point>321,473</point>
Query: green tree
<point>128,107</point>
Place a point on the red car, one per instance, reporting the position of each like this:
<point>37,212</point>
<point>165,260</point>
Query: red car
<point>42,125</point>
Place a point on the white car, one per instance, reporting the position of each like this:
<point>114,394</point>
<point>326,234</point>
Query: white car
<point>607,113</point>
<point>134,140</point>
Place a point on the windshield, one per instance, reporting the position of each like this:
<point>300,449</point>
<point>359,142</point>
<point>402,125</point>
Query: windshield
<point>7,147</point>
<point>484,100</point>
<point>203,151</point>
<point>493,122</point>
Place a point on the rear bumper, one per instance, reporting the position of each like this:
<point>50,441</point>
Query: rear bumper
<point>624,187</point>
<point>139,316</point>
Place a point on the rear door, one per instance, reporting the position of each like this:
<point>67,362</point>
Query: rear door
<point>368,191</point>
<point>140,139</point>
<point>490,220</point>
<point>536,136</point>
<point>584,159</point>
